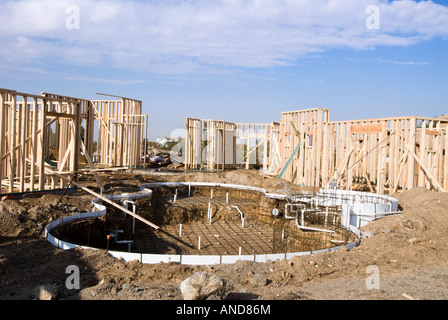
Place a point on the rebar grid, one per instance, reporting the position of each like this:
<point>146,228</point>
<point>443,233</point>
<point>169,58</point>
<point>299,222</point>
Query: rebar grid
<point>214,225</point>
<point>223,234</point>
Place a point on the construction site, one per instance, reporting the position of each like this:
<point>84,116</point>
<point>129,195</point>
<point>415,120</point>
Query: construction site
<point>298,208</point>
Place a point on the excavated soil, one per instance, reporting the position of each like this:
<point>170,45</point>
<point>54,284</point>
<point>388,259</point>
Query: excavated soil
<point>408,252</point>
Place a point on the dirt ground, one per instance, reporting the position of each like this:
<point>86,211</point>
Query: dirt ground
<point>406,258</point>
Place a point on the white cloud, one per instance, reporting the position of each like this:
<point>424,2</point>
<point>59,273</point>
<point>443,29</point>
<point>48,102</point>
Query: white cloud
<point>181,37</point>
<point>406,63</point>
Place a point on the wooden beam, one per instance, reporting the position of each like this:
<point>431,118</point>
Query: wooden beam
<point>89,161</point>
<point>369,128</point>
<point>432,132</point>
<point>61,115</point>
<point>400,170</point>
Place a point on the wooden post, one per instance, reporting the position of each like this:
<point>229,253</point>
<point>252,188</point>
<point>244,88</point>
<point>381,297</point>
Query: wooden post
<point>445,164</point>
<point>423,154</point>
<point>317,148</point>
<point>42,142</point>
<point>2,134</point>
<point>13,129</point>
<point>411,147</point>
<point>34,144</point>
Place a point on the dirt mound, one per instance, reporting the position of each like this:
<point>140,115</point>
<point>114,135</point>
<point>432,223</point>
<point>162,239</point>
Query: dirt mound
<point>253,178</point>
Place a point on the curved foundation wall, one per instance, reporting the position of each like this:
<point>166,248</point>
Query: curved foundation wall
<point>358,208</point>
<point>348,201</point>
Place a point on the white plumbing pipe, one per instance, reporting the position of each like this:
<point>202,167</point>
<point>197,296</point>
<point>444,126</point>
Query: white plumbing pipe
<point>287,205</point>
<point>209,213</point>
<point>241,214</point>
<point>302,227</point>
<point>126,202</point>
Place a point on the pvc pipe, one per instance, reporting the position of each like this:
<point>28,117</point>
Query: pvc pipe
<point>180,231</point>
<point>133,225</point>
<point>310,228</point>
<point>209,213</point>
<point>126,202</point>
<point>287,205</point>
<point>241,214</point>
<point>199,243</point>
<point>227,197</point>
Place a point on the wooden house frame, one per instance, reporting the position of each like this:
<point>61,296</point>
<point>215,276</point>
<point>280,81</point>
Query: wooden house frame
<point>122,131</point>
<point>381,155</point>
<point>47,140</point>
<point>388,154</point>
<point>220,145</point>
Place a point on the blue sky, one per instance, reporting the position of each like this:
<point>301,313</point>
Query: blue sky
<point>234,60</point>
